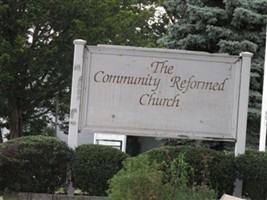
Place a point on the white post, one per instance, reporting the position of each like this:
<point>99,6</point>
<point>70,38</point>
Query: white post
<point>240,144</point>
<point>243,104</point>
<point>262,145</point>
<point>75,93</point>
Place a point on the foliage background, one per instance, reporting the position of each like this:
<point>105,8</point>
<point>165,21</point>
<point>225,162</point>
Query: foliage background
<point>36,47</point>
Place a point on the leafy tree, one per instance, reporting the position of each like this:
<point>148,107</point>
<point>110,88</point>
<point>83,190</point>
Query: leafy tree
<point>36,51</point>
<point>225,26</point>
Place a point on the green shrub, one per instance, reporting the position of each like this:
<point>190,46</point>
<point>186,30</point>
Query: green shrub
<point>140,179</point>
<point>212,168</point>
<point>252,168</point>
<point>34,164</point>
<point>137,180</point>
<point>94,165</point>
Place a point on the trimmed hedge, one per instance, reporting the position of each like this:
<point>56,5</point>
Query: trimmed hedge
<point>39,164</point>
<point>252,168</point>
<point>94,165</point>
<point>34,164</point>
<point>212,168</point>
<point>219,170</point>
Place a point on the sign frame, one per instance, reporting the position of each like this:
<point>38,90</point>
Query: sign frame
<point>82,68</point>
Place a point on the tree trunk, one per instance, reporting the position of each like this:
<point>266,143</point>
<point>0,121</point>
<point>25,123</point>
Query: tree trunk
<point>1,136</point>
<point>15,122</point>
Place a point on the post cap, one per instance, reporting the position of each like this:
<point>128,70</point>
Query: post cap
<point>79,41</point>
<point>246,54</point>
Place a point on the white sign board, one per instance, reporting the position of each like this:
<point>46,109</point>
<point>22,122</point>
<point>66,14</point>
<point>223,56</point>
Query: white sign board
<point>159,92</point>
